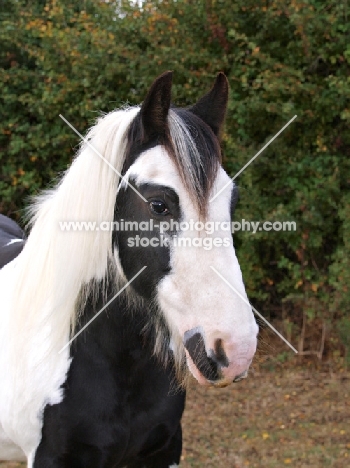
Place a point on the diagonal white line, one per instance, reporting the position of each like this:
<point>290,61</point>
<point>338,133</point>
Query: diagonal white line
<point>256,312</point>
<point>102,157</point>
<point>103,308</point>
<point>254,157</point>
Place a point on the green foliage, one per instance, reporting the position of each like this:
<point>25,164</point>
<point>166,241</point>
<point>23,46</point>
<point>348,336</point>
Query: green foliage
<point>281,57</point>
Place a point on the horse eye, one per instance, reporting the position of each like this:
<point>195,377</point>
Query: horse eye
<point>158,207</point>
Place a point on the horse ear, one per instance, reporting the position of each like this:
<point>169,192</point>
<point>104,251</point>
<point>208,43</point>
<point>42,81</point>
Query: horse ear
<point>211,108</point>
<point>155,107</point>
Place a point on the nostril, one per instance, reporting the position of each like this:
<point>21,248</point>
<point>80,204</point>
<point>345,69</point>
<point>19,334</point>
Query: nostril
<point>219,354</point>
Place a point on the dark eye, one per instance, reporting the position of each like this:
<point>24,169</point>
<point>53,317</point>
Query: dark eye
<point>159,207</point>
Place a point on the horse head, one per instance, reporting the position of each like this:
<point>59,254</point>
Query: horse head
<point>174,184</point>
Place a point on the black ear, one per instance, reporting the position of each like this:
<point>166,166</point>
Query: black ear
<point>155,108</point>
<point>211,108</point>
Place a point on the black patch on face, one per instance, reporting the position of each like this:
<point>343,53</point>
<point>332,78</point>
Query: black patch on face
<point>162,192</point>
<point>206,365</point>
<point>139,248</point>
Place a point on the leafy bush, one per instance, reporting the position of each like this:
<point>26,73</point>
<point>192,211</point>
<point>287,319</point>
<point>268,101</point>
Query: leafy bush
<point>281,57</point>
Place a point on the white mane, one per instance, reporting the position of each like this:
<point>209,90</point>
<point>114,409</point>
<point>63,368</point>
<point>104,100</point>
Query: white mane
<point>54,265</point>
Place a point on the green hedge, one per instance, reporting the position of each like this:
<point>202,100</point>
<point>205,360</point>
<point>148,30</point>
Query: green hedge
<point>281,57</point>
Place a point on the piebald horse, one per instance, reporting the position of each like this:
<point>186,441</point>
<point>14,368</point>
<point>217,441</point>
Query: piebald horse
<point>99,327</point>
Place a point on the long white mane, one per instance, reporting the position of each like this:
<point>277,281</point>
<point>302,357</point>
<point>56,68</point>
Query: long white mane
<point>40,288</point>
<point>54,265</point>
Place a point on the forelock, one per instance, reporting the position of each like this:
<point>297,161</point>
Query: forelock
<point>191,145</point>
<point>196,153</point>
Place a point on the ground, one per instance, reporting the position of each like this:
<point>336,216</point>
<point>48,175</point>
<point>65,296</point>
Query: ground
<point>297,416</point>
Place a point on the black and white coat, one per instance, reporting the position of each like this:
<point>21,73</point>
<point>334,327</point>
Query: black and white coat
<point>114,397</point>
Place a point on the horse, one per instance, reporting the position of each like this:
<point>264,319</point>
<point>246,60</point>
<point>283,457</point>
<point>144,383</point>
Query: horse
<point>101,328</point>
<point>11,240</point>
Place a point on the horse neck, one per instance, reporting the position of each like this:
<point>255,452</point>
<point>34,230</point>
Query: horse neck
<point>120,327</point>
<point>130,336</point>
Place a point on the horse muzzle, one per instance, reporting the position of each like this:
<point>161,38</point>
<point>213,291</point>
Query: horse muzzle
<point>225,362</point>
